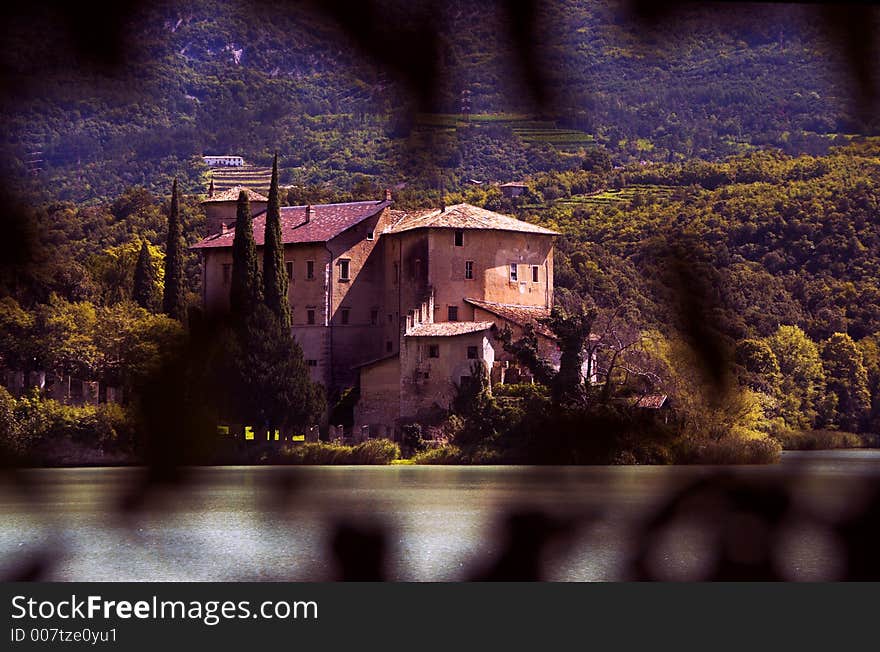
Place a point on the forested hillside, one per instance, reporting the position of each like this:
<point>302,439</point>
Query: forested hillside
<point>215,77</point>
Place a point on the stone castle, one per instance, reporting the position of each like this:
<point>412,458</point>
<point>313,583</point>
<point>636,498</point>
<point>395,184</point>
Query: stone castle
<point>404,305</point>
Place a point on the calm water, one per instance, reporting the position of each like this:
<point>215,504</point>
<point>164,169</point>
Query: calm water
<point>272,523</point>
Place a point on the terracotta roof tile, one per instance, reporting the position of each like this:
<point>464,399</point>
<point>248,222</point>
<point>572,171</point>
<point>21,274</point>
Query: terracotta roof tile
<point>465,216</point>
<point>326,221</point>
<point>232,195</point>
<point>449,328</point>
<point>517,314</point>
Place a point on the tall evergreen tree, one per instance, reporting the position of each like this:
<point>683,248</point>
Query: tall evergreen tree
<point>144,288</point>
<point>245,292</point>
<point>270,376</point>
<point>274,273</point>
<point>173,302</point>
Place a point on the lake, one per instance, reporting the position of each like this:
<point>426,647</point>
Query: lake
<point>439,523</point>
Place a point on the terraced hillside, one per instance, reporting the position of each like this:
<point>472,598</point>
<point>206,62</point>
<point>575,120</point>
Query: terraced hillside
<point>525,126</point>
<point>616,195</point>
<point>251,176</point>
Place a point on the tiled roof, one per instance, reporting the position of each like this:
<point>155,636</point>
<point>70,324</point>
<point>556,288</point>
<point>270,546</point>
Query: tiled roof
<point>449,328</point>
<point>651,401</point>
<point>517,314</point>
<point>326,221</point>
<point>232,195</point>
<point>465,216</point>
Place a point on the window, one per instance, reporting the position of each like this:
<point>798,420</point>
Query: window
<point>472,353</point>
<point>390,318</point>
<point>388,346</point>
<point>374,317</point>
<point>396,273</point>
<point>312,363</point>
<point>468,269</point>
<point>434,351</point>
<point>345,312</point>
<point>310,315</point>
<point>344,269</point>
<point>310,270</point>
<point>452,313</point>
<point>513,274</point>
<point>227,273</point>
<point>459,238</point>
<point>289,267</point>
<point>370,235</point>
<point>535,273</point>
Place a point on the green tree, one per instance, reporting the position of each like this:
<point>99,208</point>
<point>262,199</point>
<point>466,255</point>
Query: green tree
<point>133,343</point>
<point>274,272</point>
<point>66,331</point>
<point>803,378</point>
<point>173,300</point>
<point>870,348</point>
<point>760,368</point>
<point>244,291</point>
<point>847,378</point>
<point>143,290</point>
<point>16,335</point>
<point>274,388</point>
<point>571,321</point>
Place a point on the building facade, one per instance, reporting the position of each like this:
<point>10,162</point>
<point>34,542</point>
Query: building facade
<point>405,306</point>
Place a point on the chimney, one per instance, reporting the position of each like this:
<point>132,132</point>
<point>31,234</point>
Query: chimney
<point>387,194</point>
<point>308,213</point>
<point>223,228</point>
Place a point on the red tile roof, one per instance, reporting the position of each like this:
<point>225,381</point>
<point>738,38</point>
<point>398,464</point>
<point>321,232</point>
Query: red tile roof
<point>232,195</point>
<point>449,328</point>
<point>465,216</point>
<point>517,314</point>
<point>326,221</point>
<point>652,401</point>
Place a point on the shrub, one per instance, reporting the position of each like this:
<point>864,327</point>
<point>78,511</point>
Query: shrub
<point>375,451</point>
<point>13,438</point>
<point>808,440</point>
<point>443,455</point>
<point>317,453</point>
<point>729,450</point>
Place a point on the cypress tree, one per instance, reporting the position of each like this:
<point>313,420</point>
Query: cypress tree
<point>173,303</point>
<point>274,272</point>
<point>244,293</point>
<point>144,288</point>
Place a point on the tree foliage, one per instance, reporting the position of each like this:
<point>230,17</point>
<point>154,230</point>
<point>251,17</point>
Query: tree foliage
<point>144,286</point>
<point>274,271</point>
<point>244,291</point>
<point>174,297</point>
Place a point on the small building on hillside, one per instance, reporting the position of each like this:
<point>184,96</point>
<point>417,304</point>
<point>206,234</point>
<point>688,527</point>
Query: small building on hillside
<point>513,189</point>
<point>223,161</point>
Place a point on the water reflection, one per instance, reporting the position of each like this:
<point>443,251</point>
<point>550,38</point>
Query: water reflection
<point>794,521</point>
